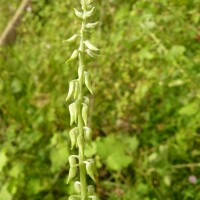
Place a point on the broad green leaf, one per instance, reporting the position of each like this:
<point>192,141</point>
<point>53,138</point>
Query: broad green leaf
<point>5,194</point>
<point>17,169</point>
<point>16,86</point>
<point>190,109</point>
<point>3,159</point>
<point>131,143</point>
<point>58,157</point>
<point>118,160</point>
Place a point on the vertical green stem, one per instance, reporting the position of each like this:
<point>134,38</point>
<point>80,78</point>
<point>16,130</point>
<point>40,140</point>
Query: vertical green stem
<point>79,109</point>
<point>80,119</point>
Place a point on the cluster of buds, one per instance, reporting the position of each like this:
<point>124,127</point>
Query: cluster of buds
<point>81,133</point>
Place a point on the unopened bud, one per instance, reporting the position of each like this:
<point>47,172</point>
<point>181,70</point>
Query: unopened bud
<point>73,56</point>
<point>73,136</point>
<point>72,39</point>
<point>88,135</point>
<point>72,113</point>
<point>90,189</point>
<point>77,186</point>
<point>85,113</point>
<point>90,46</point>
<point>71,90</point>
<point>91,25</point>
<point>90,12</point>
<point>78,14</point>
<point>72,160</point>
<point>88,81</point>
<point>72,173</point>
<point>86,100</point>
<point>90,170</point>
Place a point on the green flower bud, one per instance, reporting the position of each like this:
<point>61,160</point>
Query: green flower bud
<point>77,186</point>
<point>73,56</point>
<point>72,160</point>
<point>81,144</point>
<point>72,173</point>
<point>71,90</point>
<point>86,100</point>
<point>91,25</point>
<point>93,197</point>
<point>80,71</point>
<point>85,113</point>
<point>72,39</point>
<point>72,113</point>
<point>90,189</point>
<point>91,53</point>
<point>88,135</point>
<point>90,169</point>
<point>78,14</point>
<point>90,12</point>
<point>88,81</point>
<point>76,108</point>
<point>73,136</point>
<point>74,197</point>
<point>76,89</point>
<point>90,46</point>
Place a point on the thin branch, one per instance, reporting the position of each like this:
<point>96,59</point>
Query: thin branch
<point>9,34</point>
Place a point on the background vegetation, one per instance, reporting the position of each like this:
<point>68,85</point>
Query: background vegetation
<point>146,117</point>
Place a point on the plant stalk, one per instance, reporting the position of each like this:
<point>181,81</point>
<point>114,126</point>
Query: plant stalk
<point>80,119</point>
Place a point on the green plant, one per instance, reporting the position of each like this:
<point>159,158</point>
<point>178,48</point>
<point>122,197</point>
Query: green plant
<point>81,134</point>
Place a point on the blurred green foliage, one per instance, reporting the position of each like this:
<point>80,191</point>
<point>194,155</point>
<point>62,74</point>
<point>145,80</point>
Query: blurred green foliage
<point>146,117</point>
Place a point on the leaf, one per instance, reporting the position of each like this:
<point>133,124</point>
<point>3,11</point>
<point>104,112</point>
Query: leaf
<point>118,160</point>
<point>16,86</point>
<point>17,169</point>
<point>90,46</point>
<point>58,157</point>
<point>190,109</point>
<point>132,143</point>
<point>73,56</point>
<point>4,193</point>
<point>3,159</point>
<point>177,50</point>
<point>177,82</point>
